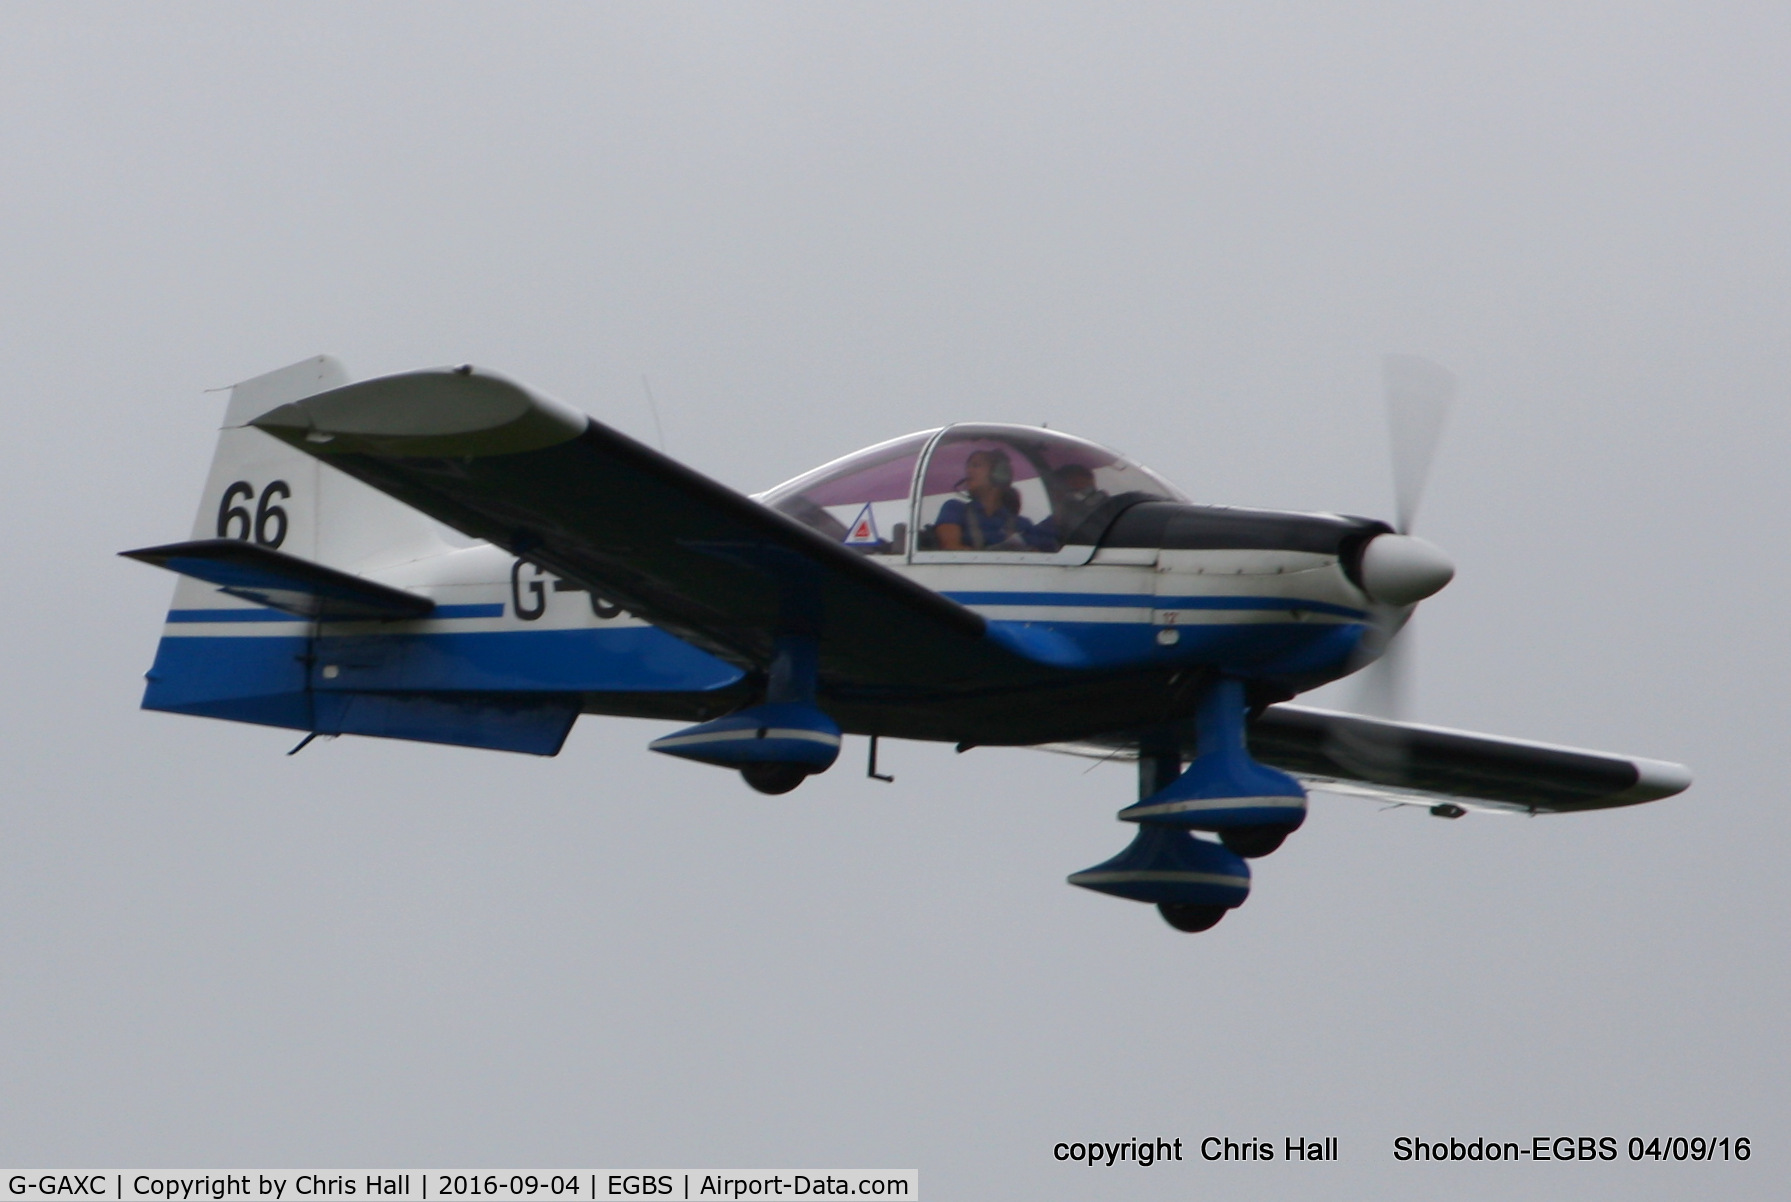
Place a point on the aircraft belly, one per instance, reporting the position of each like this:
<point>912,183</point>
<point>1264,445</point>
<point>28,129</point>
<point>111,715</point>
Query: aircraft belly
<point>258,678</point>
<point>251,664</point>
<point>625,659</point>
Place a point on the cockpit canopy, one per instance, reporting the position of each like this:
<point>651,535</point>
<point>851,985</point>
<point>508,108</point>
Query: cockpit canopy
<point>974,488</point>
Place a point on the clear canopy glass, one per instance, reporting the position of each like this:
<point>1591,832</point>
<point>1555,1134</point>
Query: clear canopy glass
<point>862,500</point>
<point>1021,488</point>
<point>983,488</point>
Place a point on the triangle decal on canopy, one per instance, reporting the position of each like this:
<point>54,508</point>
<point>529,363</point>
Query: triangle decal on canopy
<point>863,531</point>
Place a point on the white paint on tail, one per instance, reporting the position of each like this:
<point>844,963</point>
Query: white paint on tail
<point>263,490</point>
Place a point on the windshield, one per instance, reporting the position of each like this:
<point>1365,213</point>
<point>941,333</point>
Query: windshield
<point>862,500</point>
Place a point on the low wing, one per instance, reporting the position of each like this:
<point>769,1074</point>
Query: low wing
<point>1430,765</point>
<point>284,582</point>
<point>500,463</point>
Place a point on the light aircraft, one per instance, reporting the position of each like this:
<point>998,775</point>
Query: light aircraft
<point>450,557</point>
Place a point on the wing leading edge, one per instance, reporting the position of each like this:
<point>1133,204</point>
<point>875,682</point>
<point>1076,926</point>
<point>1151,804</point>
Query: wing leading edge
<point>1430,765</point>
<point>552,485</point>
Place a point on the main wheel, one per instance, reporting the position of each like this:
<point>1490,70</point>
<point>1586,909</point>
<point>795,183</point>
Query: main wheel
<point>1191,917</point>
<point>1253,841</point>
<point>774,778</point>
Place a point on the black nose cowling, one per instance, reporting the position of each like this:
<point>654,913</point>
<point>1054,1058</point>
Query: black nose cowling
<point>1174,526</point>
<point>1392,568</point>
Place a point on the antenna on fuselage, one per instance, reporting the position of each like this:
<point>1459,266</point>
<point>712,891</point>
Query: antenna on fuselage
<point>653,407</point>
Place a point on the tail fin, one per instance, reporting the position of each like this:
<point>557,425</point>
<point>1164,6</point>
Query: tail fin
<point>262,491</point>
<point>227,656</point>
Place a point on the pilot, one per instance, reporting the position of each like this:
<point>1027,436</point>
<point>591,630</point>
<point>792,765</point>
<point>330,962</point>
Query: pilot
<point>1077,497</point>
<point>990,520</point>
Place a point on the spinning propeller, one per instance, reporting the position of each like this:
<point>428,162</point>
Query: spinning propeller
<point>1398,570</point>
<point>1418,397</point>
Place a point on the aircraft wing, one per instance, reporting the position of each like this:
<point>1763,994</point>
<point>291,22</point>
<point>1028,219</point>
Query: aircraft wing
<point>1431,765</point>
<point>501,463</point>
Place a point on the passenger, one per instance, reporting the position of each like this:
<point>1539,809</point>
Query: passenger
<point>1077,498</point>
<point>990,520</point>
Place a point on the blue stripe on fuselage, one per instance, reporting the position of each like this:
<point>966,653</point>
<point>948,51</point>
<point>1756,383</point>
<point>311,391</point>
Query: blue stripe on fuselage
<point>231,615</point>
<point>1153,601</point>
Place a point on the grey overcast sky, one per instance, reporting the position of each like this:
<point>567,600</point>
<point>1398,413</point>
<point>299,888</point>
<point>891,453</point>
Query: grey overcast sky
<point>1185,230</point>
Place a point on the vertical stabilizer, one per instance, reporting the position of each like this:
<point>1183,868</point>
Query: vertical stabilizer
<point>263,491</point>
<point>260,490</point>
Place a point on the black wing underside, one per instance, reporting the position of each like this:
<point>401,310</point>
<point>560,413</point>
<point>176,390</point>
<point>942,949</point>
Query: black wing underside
<point>1428,765</point>
<point>500,463</point>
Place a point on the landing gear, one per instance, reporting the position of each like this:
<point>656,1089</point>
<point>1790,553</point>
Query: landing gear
<point>776,744</point>
<point>1250,807</point>
<point>1184,916</point>
<point>1254,842</point>
<point>1224,788</point>
<point>1192,881</point>
<point>774,778</point>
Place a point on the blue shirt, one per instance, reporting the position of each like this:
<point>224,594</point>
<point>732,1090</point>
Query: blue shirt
<point>993,527</point>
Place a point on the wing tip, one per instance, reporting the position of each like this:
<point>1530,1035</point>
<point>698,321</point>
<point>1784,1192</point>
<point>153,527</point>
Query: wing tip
<point>1655,779</point>
<point>440,412</point>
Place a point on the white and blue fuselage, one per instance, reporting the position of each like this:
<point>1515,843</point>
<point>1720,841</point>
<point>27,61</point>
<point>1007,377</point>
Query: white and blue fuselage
<point>502,626</point>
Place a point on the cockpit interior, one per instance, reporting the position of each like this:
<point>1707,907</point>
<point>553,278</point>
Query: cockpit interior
<point>1018,490</point>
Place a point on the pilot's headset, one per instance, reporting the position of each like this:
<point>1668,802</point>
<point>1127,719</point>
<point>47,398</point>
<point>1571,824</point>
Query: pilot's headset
<point>1001,469</point>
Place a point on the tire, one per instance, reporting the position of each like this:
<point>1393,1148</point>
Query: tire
<point>774,778</point>
<point>1252,842</point>
<point>1189,917</point>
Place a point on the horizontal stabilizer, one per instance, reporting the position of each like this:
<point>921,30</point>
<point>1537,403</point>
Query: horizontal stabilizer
<point>284,582</point>
<point>1431,765</point>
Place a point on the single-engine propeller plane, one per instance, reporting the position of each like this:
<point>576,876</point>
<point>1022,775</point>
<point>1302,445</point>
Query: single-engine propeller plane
<point>450,557</point>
